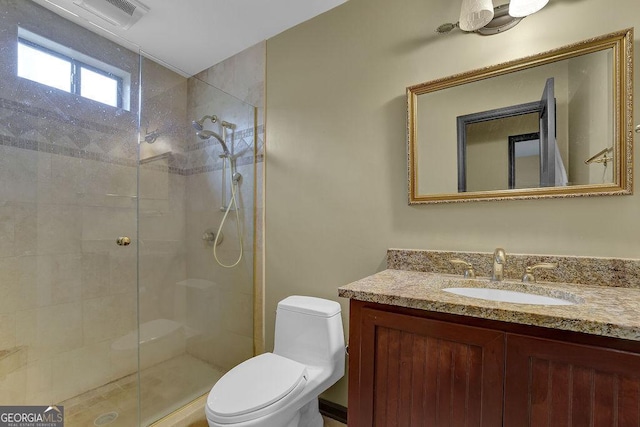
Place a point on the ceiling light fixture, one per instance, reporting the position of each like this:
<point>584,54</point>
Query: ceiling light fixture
<point>481,17</point>
<point>475,14</point>
<point>522,8</point>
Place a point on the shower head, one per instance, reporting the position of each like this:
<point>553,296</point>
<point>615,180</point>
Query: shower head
<point>199,124</point>
<point>207,134</point>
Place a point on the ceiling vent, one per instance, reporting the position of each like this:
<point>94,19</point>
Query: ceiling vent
<point>121,13</point>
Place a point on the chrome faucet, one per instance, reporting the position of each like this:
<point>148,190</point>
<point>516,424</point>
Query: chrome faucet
<point>499,259</point>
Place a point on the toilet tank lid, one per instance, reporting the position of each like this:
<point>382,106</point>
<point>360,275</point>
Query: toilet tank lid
<point>310,305</point>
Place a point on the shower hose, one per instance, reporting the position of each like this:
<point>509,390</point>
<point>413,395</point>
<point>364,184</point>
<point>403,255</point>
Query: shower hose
<point>232,202</point>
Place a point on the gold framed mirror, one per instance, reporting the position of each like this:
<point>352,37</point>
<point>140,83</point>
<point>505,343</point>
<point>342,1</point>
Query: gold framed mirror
<point>555,124</point>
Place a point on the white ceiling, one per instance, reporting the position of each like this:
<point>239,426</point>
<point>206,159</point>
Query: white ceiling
<point>192,35</point>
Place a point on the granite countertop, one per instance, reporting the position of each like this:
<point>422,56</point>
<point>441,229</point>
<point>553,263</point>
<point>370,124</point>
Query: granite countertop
<point>599,310</point>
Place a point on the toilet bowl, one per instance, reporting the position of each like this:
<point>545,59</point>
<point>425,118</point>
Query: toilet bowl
<point>281,389</point>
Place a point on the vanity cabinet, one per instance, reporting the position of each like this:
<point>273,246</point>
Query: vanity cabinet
<point>418,368</point>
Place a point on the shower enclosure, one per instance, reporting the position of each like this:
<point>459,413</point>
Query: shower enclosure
<point>111,302</point>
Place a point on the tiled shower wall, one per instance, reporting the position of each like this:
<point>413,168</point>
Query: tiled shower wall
<point>68,174</point>
<point>180,200</point>
<point>161,221</point>
<point>243,76</point>
<point>225,295</point>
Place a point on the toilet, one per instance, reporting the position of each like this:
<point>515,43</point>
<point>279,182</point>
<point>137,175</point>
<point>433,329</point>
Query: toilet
<point>281,389</point>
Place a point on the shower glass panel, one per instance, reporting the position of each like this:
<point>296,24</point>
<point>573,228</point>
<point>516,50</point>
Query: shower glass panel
<point>68,190</point>
<point>196,317</point>
<point>112,304</point>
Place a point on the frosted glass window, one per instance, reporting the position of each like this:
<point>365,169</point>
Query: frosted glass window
<point>98,87</point>
<point>42,67</point>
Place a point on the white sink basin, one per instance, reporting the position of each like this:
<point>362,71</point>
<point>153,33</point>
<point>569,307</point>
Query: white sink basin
<point>503,295</point>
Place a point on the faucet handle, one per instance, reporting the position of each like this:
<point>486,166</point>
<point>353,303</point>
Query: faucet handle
<point>469,273</point>
<point>528,272</point>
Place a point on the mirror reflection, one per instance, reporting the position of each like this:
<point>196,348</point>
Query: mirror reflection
<point>489,137</point>
<point>550,125</point>
<point>516,163</point>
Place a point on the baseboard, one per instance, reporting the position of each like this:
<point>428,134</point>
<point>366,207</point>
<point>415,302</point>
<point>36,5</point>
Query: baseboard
<point>333,410</point>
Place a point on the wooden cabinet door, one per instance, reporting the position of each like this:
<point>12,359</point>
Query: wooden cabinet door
<point>412,371</point>
<point>557,384</point>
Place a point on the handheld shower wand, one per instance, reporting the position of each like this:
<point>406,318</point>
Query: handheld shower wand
<point>198,125</point>
<point>207,134</point>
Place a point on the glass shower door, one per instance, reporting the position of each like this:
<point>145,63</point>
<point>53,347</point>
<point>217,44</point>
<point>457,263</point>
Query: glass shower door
<point>68,190</point>
<point>196,316</point>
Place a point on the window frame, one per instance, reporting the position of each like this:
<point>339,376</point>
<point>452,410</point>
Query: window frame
<point>78,61</point>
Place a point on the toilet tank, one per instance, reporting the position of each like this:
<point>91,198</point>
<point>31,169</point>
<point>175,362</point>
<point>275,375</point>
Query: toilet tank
<point>309,331</point>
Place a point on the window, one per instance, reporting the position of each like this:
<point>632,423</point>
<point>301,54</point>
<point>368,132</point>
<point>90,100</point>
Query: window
<point>37,65</point>
<point>51,64</point>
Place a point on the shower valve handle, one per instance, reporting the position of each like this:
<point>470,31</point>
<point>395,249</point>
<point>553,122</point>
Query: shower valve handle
<point>209,236</point>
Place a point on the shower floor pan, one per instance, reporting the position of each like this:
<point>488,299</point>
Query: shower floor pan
<point>163,388</point>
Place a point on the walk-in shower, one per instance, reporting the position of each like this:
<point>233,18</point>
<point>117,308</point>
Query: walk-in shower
<point>118,335</point>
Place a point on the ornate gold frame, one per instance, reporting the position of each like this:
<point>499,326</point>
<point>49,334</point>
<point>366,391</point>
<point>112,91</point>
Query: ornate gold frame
<point>621,43</point>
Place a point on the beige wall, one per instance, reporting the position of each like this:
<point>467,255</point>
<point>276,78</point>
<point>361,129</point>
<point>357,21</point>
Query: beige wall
<point>336,180</point>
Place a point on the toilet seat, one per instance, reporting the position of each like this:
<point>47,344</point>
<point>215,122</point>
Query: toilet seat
<point>255,388</point>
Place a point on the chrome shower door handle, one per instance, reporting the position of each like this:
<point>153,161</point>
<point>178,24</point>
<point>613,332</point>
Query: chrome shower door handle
<point>123,241</point>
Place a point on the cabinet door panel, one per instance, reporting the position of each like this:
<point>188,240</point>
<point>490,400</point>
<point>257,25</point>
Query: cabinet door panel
<point>559,375</point>
<point>555,384</point>
<point>422,372</point>
<point>628,402</point>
